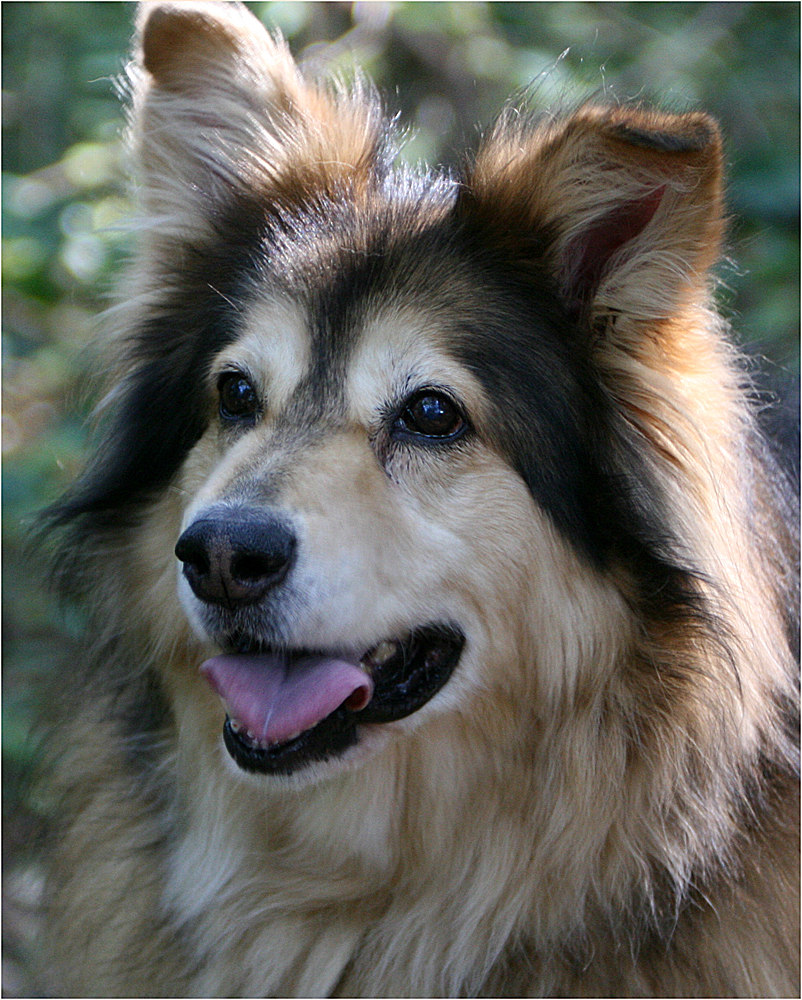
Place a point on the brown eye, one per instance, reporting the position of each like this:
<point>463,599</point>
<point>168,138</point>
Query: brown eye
<point>238,399</point>
<point>431,414</point>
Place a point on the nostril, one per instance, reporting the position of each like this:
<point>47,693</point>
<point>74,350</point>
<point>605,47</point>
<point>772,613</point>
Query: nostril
<point>253,567</point>
<point>192,551</point>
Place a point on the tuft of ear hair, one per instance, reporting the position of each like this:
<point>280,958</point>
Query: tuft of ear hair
<point>219,107</point>
<point>620,204</point>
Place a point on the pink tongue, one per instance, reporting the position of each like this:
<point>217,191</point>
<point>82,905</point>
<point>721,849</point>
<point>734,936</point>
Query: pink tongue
<point>275,698</point>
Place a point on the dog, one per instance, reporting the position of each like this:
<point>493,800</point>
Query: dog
<point>442,585</point>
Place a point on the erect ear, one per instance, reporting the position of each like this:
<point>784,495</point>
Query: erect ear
<point>219,105</point>
<point>622,206</point>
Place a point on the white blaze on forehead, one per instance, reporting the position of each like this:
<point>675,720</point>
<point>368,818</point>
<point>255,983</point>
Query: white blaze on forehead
<point>400,351</point>
<point>273,348</point>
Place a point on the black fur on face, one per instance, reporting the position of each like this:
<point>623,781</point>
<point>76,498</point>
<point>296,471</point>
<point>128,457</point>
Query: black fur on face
<point>162,407</point>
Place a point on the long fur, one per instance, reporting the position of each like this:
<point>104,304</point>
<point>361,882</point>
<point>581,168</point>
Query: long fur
<point>603,800</point>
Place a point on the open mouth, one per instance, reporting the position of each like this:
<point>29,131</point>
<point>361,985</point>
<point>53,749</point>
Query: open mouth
<point>286,709</point>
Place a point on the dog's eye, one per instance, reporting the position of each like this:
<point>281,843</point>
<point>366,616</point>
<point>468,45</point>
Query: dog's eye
<point>238,399</point>
<point>431,414</point>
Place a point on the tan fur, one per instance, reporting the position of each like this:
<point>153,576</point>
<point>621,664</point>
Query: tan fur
<point>569,815</point>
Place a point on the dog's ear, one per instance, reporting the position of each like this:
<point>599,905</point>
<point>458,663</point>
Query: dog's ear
<point>220,106</point>
<point>621,206</point>
<point>194,46</point>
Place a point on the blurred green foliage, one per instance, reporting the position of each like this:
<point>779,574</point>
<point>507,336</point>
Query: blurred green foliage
<point>448,67</point>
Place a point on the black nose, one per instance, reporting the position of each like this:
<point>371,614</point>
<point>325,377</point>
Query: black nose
<point>233,557</point>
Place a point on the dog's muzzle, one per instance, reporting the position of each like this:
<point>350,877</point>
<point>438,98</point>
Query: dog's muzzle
<point>285,707</point>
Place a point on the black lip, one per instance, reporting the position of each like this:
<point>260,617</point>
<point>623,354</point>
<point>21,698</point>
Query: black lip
<point>330,737</point>
<point>402,685</point>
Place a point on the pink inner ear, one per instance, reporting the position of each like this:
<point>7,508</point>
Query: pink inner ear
<point>587,254</point>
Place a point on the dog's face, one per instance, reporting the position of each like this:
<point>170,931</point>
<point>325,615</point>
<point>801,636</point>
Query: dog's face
<point>406,434</point>
<point>356,533</point>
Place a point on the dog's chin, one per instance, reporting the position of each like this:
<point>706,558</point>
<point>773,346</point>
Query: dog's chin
<point>402,676</point>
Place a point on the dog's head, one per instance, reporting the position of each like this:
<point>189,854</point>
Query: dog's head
<point>355,535</point>
<point>407,431</point>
